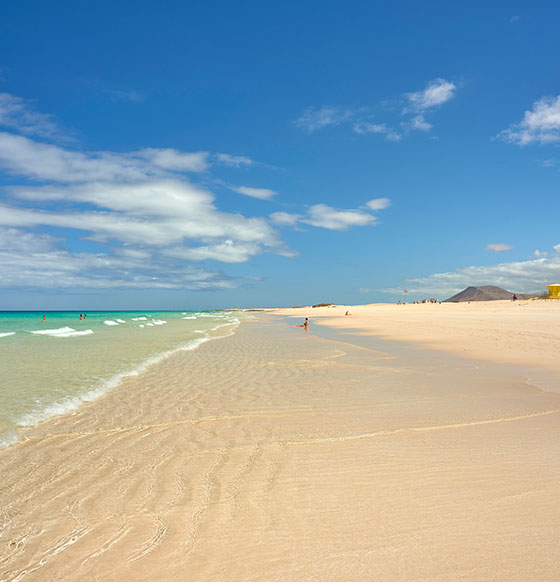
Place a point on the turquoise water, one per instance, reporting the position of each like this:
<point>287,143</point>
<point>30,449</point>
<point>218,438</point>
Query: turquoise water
<point>50,366</point>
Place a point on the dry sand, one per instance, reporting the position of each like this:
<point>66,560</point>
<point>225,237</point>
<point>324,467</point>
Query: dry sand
<point>515,332</point>
<point>276,455</point>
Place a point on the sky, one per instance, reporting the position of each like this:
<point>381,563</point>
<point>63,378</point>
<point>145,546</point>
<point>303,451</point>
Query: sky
<point>202,154</point>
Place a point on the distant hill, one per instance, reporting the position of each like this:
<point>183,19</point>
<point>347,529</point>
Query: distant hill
<point>485,293</point>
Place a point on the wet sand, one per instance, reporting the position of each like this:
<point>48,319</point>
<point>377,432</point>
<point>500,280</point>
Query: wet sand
<point>273,454</point>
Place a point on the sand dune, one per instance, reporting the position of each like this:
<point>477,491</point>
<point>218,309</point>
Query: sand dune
<point>277,455</point>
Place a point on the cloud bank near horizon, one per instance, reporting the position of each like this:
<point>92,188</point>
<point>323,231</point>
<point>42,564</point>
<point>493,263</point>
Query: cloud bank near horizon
<point>531,276</point>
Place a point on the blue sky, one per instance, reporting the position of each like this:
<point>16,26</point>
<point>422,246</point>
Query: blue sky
<point>209,154</point>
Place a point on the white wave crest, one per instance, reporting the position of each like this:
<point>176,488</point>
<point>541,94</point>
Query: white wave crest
<point>189,317</point>
<point>7,333</point>
<point>62,332</point>
<point>110,322</point>
<point>139,318</point>
<point>158,321</point>
<point>57,331</point>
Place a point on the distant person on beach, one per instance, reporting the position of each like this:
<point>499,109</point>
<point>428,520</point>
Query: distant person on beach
<point>85,315</point>
<point>44,317</point>
<point>347,313</point>
<point>514,298</point>
<point>80,316</point>
<point>305,324</point>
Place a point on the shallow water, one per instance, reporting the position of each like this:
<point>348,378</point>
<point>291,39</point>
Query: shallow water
<point>51,366</point>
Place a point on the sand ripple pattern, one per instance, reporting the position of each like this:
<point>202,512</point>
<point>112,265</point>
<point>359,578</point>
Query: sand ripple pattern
<point>271,455</point>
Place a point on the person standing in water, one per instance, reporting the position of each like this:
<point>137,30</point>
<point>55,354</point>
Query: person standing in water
<point>305,324</point>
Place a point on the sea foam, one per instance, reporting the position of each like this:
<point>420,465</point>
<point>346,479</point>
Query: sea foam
<point>110,322</point>
<point>7,333</point>
<point>62,332</point>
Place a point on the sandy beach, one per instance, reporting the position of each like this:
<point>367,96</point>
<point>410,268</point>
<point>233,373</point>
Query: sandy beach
<point>274,454</point>
<point>513,332</point>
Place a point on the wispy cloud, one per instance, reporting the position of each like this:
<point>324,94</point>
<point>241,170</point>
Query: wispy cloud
<point>541,124</point>
<point>260,193</point>
<point>314,118</point>
<point>324,216</point>
<point>498,247</point>
<point>235,161</point>
<point>436,93</point>
<point>364,127</point>
<point>418,122</point>
<point>18,115</point>
<point>410,117</point>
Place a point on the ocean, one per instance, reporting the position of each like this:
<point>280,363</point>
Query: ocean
<point>51,362</point>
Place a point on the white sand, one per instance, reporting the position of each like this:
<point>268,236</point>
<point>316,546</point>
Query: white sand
<point>517,332</point>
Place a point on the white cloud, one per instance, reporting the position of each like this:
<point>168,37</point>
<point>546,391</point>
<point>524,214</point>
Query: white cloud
<point>327,217</point>
<point>539,254</point>
<point>418,122</point>
<point>364,127</point>
<point>523,277</point>
<point>498,247</point>
<point>285,218</point>
<point>324,216</point>
<point>148,220</point>
<point>148,223</point>
<point>16,114</point>
<point>227,251</point>
<point>235,161</point>
<point>174,160</point>
<point>539,125</point>
<point>260,193</point>
<point>436,93</point>
<point>46,162</point>
<point>418,104</point>
<point>30,260</point>
<point>378,204</point>
<point>314,118</point>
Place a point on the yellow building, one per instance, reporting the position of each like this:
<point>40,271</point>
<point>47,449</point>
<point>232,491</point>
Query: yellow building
<point>553,291</point>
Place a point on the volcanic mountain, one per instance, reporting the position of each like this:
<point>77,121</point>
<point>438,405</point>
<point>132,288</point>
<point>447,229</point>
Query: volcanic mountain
<point>485,293</point>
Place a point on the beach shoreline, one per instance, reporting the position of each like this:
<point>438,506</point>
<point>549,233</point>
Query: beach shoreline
<point>509,332</point>
<point>274,454</point>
